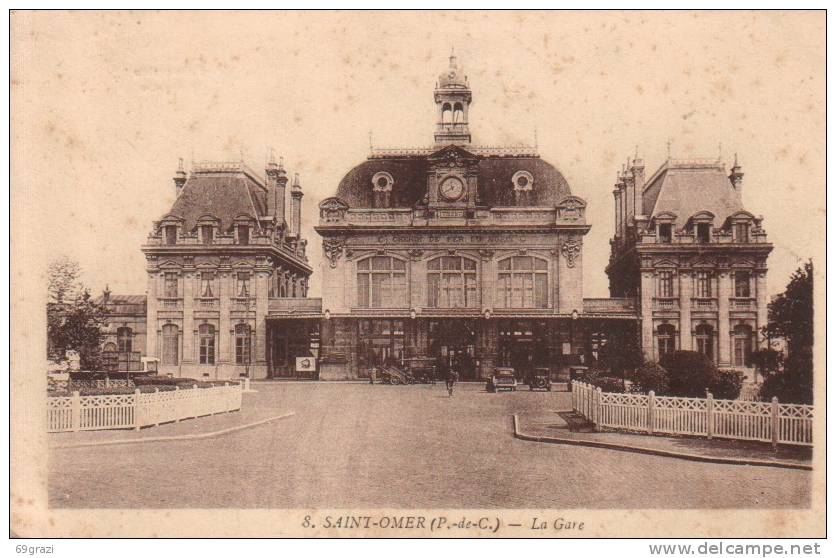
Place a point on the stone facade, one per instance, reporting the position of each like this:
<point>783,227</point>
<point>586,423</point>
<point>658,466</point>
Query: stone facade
<point>218,263</point>
<point>455,254</point>
<point>694,258</point>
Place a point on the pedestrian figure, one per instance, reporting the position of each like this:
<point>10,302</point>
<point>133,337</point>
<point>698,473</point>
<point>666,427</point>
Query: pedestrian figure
<point>452,378</point>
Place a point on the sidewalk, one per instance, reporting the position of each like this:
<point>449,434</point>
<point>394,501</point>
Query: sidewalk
<point>253,410</point>
<point>566,428</point>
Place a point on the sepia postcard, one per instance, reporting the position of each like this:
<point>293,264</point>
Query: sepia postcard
<point>441,274</point>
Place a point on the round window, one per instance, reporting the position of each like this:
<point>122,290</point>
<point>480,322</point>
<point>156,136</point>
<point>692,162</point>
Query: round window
<point>522,180</point>
<point>382,182</point>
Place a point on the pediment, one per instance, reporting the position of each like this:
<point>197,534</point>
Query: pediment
<point>453,155</point>
<point>665,262</point>
<point>170,264</point>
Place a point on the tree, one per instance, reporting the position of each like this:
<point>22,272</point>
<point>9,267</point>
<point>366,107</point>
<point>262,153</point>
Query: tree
<point>74,320</point>
<point>78,327</point>
<point>791,317</point>
<point>621,353</point>
<point>63,280</point>
<point>767,361</point>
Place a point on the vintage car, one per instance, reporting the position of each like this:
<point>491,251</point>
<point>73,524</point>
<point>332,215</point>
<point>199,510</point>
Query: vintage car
<point>540,378</point>
<point>502,378</point>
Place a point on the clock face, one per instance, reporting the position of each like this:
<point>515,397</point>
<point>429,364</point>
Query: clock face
<point>452,188</point>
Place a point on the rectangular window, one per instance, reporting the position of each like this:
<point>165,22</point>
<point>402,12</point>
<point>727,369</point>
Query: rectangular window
<point>741,232</point>
<point>207,350</point>
<point>243,285</point>
<point>242,348</point>
<point>703,233</point>
<point>665,284</point>
<point>207,234</point>
<point>171,235</point>
<point>171,287</point>
<point>541,291</point>
<point>363,290</point>
<point>206,284</point>
<point>703,284</point>
<point>742,285</point>
<point>742,351</point>
<point>243,234</point>
<point>665,235</point>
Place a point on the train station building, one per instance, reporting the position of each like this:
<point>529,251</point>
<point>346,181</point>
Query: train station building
<point>452,253</point>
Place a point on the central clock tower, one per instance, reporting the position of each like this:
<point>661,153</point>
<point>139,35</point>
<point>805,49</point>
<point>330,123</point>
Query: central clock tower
<point>452,178</point>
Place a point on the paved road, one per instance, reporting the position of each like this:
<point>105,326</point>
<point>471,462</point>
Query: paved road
<point>401,446</point>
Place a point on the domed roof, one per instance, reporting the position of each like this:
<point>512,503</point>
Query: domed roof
<point>495,181</point>
<point>454,76</point>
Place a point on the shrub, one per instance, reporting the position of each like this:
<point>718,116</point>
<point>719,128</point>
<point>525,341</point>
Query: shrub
<point>727,384</point>
<point>690,373</point>
<point>794,384</point>
<point>651,377</point>
<point>164,381</point>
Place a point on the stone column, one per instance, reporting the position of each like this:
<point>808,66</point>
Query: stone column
<point>723,326</point>
<point>262,279</point>
<point>487,276</point>
<point>685,290</point>
<point>224,294</point>
<point>189,356</point>
<point>151,316</point>
<point>762,298</point>
<point>647,290</point>
<point>490,344</point>
<point>417,297</point>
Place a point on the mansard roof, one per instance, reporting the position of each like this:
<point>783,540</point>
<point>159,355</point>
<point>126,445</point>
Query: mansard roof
<point>687,188</point>
<point>495,169</point>
<point>225,191</point>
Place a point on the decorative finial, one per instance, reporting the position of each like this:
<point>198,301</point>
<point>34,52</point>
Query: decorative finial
<point>371,141</point>
<point>272,155</point>
<point>180,164</point>
<point>669,149</point>
<point>637,152</point>
<point>536,145</point>
<point>281,163</point>
<point>241,153</point>
<point>735,158</point>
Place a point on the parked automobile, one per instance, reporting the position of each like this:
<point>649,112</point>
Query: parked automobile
<point>540,378</point>
<point>502,378</point>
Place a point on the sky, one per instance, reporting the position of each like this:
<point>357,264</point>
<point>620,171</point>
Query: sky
<point>104,104</point>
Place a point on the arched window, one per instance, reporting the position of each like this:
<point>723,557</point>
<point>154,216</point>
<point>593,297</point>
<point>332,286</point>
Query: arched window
<point>381,282</point>
<point>446,113</point>
<point>124,339</point>
<point>666,339</point>
<point>742,345</point>
<point>451,283</point>
<point>171,335</point>
<point>523,283</point>
<point>458,113</point>
<point>243,343</point>
<point>206,334</point>
<point>704,335</point>
<point>109,347</point>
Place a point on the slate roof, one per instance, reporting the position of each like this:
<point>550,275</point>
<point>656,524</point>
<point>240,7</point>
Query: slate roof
<point>124,304</point>
<point>685,189</point>
<point>225,195</point>
<point>494,182</point>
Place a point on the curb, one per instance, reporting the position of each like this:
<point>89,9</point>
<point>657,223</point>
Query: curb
<point>658,452</point>
<point>180,438</point>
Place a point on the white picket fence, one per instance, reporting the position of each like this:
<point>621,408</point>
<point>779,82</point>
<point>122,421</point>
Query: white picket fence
<point>135,410</point>
<point>713,418</point>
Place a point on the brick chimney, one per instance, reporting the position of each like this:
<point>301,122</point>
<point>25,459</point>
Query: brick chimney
<point>296,207</point>
<point>736,177</point>
<point>277,184</point>
<point>179,178</point>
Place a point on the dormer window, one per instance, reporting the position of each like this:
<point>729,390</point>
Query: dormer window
<point>170,232</point>
<point>703,233</point>
<point>665,233</point>
<point>523,181</point>
<point>207,234</point>
<point>741,232</point>
<point>243,234</point>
